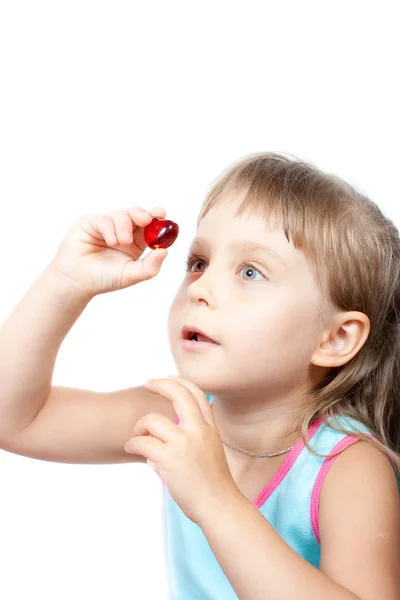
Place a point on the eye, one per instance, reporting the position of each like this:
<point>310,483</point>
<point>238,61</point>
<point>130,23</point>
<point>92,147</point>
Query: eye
<point>250,267</point>
<point>191,260</point>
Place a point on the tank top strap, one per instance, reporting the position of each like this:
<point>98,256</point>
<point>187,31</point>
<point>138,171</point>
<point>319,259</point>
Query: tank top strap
<point>333,443</point>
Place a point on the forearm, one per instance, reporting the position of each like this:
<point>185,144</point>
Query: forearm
<point>258,563</point>
<point>30,339</point>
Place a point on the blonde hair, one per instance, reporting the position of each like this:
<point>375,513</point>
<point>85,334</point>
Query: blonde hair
<point>356,253</point>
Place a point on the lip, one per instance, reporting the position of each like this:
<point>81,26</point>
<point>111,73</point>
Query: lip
<point>187,329</point>
<point>192,346</point>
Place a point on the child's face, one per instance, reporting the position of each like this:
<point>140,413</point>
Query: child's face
<point>265,320</point>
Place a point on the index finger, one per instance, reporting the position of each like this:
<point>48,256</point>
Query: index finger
<point>200,396</point>
<point>189,406</point>
<point>139,211</point>
<point>157,211</point>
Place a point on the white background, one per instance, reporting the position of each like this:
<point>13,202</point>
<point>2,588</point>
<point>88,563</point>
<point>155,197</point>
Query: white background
<point>105,105</point>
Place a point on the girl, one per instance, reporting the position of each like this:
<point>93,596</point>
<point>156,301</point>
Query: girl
<point>280,481</point>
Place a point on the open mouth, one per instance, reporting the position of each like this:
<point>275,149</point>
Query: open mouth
<point>198,337</point>
<point>195,336</point>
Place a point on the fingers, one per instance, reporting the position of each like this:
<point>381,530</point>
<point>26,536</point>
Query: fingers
<point>158,426</point>
<point>123,226</point>
<point>125,221</point>
<point>158,212</point>
<point>149,447</point>
<point>199,395</point>
<point>118,226</point>
<point>104,227</point>
<point>189,402</point>
<point>148,435</point>
<point>145,268</point>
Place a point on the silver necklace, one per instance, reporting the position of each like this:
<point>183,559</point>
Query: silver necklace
<point>256,453</point>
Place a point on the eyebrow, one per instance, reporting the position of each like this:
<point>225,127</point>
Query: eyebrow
<point>248,246</point>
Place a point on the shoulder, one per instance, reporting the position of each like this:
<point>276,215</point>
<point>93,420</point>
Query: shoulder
<point>359,470</point>
<point>359,522</point>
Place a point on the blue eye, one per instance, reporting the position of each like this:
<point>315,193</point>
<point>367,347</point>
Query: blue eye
<point>191,259</point>
<point>251,268</point>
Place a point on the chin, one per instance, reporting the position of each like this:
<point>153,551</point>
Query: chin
<point>190,371</point>
<point>204,381</point>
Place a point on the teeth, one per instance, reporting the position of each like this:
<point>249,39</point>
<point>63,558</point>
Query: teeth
<point>193,336</point>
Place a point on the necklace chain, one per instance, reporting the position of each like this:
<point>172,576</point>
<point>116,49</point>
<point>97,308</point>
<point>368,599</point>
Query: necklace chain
<point>256,454</point>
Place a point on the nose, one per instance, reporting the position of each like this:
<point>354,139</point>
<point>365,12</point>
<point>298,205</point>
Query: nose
<point>201,290</point>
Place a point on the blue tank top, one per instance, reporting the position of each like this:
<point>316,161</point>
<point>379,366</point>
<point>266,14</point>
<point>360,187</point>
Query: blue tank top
<point>290,502</point>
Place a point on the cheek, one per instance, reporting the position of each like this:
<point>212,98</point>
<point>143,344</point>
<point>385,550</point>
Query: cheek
<point>294,334</point>
<point>282,327</point>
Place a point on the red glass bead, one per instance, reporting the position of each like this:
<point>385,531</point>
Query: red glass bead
<point>160,233</point>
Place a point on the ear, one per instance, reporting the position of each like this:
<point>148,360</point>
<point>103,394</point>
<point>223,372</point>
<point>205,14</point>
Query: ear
<point>347,335</point>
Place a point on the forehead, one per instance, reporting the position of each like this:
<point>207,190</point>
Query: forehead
<point>221,229</point>
<point>222,226</point>
<point>227,206</point>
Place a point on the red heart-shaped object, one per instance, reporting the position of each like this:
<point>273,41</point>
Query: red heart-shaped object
<point>160,233</point>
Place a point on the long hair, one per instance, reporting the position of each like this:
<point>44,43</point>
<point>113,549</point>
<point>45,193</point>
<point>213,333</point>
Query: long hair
<point>356,253</point>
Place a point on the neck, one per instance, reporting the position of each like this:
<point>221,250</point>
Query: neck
<point>257,428</point>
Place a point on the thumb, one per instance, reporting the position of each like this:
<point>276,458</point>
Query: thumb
<point>145,268</point>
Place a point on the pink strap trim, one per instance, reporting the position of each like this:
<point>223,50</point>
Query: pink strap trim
<point>286,465</point>
<point>314,508</point>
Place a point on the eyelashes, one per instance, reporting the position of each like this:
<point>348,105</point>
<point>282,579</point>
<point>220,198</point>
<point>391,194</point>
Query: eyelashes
<point>194,258</point>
